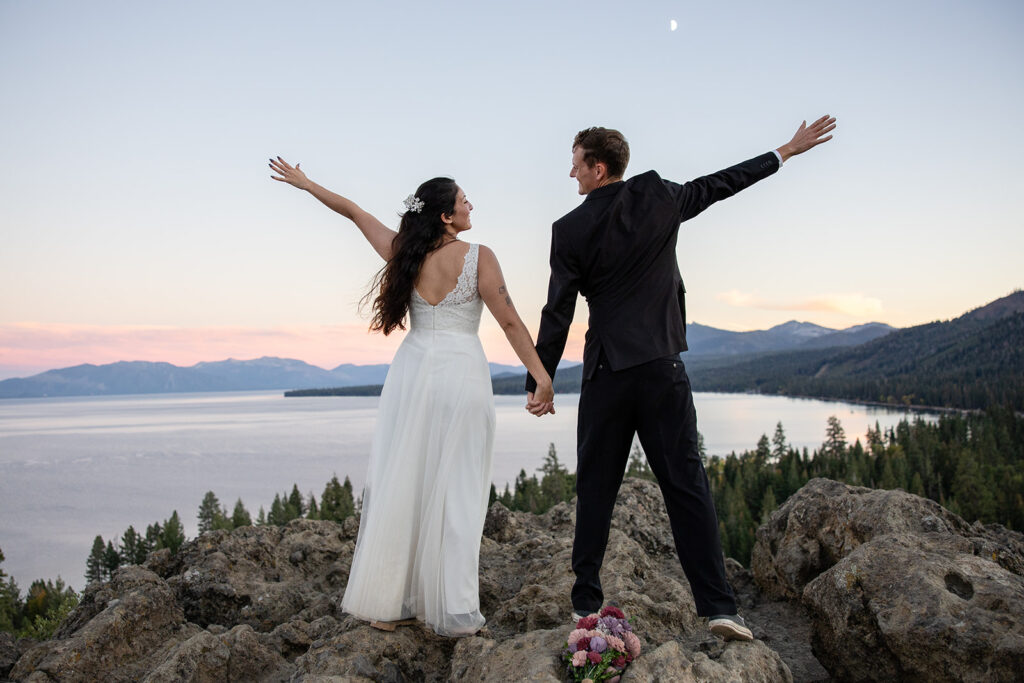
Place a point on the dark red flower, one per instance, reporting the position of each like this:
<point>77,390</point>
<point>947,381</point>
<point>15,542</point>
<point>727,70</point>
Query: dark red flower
<point>619,662</point>
<point>587,623</point>
<point>612,611</point>
<point>594,657</point>
<point>582,644</point>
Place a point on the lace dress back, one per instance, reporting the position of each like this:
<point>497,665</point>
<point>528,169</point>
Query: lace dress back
<point>459,310</point>
<point>428,480</point>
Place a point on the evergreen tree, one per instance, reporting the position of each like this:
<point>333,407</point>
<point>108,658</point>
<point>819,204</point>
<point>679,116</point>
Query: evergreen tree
<point>278,516</point>
<point>492,496</point>
<point>778,443</point>
<point>295,505</point>
<point>111,560</point>
<point>261,517</point>
<point>94,565</point>
<point>11,607</point>
<point>336,502</point>
<point>835,438</point>
<point>154,537</point>
<point>556,485</point>
<point>210,515</point>
<point>173,536</point>
<point>314,511</point>
<point>133,547</point>
<point>638,466</point>
<point>240,517</point>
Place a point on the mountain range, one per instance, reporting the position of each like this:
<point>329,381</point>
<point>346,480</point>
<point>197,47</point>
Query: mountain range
<point>143,377</point>
<point>968,362</point>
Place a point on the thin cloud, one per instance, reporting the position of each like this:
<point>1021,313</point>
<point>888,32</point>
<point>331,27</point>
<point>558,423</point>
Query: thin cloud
<point>855,304</point>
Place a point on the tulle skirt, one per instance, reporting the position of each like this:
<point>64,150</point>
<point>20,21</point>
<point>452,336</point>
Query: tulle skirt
<point>427,487</point>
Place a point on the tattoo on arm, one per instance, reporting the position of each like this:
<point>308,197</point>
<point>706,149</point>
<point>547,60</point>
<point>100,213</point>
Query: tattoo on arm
<point>503,290</point>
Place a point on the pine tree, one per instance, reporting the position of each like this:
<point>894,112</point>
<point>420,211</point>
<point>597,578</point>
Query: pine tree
<point>209,513</point>
<point>492,496</point>
<point>277,516</point>
<point>336,502</point>
<point>314,511</point>
<point>778,443</point>
<point>768,504</point>
<point>295,506</point>
<point>835,438</point>
<point>638,466</point>
<point>173,536</point>
<point>154,537</point>
<point>133,547</point>
<point>261,517</point>
<point>111,560</point>
<point>240,517</point>
<point>94,564</point>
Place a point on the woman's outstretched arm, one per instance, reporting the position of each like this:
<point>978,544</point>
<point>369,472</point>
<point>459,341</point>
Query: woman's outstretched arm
<point>376,233</point>
<point>493,291</point>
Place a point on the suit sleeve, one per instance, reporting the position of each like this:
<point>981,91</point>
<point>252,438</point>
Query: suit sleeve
<point>693,197</point>
<point>563,287</point>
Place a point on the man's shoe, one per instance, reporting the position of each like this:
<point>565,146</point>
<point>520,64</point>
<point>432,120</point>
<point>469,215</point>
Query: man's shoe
<point>576,616</point>
<point>730,627</point>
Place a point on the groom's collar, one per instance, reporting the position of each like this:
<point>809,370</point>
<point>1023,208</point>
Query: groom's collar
<point>604,190</point>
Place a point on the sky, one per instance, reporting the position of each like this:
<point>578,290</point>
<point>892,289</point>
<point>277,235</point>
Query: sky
<point>139,221</point>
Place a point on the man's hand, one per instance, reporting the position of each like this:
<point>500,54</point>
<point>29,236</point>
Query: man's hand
<point>807,137</point>
<point>538,407</point>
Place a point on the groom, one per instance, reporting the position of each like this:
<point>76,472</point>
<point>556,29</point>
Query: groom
<point>618,249</point>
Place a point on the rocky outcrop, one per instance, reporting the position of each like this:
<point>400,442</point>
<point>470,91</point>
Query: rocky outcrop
<point>263,604</point>
<point>897,586</point>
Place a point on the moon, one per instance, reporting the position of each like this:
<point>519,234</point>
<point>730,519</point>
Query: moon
<point>672,25</point>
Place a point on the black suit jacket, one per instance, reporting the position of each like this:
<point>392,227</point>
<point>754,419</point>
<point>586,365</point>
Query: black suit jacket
<point>618,249</point>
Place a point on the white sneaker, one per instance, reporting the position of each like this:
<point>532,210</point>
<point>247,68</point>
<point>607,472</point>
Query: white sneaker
<point>730,627</point>
<point>577,616</point>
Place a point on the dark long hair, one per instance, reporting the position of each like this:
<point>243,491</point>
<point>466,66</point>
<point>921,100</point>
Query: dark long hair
<point>418,234</point>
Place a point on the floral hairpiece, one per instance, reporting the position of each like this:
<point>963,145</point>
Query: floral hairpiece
<point>413,203</point>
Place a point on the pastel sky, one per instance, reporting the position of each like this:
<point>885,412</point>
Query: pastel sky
<point>139,221</point>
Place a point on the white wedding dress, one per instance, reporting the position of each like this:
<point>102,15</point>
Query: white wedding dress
<point>428,483</point>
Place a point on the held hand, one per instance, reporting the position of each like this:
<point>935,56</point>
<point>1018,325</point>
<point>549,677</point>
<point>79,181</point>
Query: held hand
<point>292,175</point>
<point>807,137</point>
<point>535,404</point>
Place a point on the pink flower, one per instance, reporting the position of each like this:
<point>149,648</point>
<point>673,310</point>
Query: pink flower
<point>593,657</point>
<point>587,622</point>
<point>576,635</point>
<point>632,643</point>
<point>615,643</point>
<point>579,658</point>
<point>613,611</point>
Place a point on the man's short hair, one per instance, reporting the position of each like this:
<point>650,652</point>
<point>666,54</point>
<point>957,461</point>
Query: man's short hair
<point>604,145</point>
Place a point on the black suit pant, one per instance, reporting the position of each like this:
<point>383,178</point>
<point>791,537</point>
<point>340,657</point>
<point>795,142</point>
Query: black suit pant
<point>653,401</point>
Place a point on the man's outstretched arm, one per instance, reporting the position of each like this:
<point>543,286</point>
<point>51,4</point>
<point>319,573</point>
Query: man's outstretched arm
<point>695,196</point>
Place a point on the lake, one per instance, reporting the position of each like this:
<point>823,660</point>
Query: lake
<point>72,468</point>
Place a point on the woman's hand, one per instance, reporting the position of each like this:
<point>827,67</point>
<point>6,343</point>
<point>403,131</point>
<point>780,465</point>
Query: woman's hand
<point>292,175</point>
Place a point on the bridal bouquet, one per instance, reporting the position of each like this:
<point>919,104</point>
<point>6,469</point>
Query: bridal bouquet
<point>600,647</point>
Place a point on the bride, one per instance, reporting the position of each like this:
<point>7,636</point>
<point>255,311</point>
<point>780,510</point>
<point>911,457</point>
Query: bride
<point>428,481</point>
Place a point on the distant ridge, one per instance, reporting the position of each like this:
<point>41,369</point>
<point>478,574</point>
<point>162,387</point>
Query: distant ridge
<point>143,377</point>
<point>970,362</point>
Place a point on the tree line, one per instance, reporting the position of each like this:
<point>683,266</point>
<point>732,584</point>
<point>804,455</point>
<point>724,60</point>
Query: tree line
<point>336,503</point>
<point>970,463</point>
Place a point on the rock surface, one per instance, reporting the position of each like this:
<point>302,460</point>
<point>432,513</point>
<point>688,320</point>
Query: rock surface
<point>263,604</point>
<point>897,581</point>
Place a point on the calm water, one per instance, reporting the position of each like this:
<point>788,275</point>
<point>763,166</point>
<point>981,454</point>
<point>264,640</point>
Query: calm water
<point>72,468</point>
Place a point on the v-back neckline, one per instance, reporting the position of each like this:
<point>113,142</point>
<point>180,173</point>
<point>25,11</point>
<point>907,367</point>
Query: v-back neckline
<point>465,259</point>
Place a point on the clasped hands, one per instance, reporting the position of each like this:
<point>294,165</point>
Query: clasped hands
<point>541,402</point>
